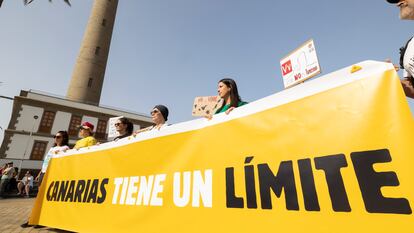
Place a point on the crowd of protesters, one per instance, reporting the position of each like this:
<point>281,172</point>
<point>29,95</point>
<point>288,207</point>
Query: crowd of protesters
<point>227,90</point>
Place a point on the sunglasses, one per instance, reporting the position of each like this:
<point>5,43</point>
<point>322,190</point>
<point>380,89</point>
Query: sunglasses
<point>57,136</point>
<point>154,111</point>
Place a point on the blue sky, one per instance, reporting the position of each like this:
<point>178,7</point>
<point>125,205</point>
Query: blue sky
<point>170,51</point>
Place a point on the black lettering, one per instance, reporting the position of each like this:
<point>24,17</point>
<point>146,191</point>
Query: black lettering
<point>332,165</point>
<point>370,183</point>
<point>85,195</point>
<point>231,200</point>
<point>250,184</point>
<point>284,179</point>
<point>308,185</point>
<point>93,192</point>
<point>48,196</point>
<point>80,187</point>
<point>55,191</point>
<point>69,194</point>
<point>101,199</point>
<point>62,190</point>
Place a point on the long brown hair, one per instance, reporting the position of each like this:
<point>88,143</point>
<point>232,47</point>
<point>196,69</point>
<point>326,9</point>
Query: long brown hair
<point>130,126</point>
<point>65,138</point>
<point>234,93</point>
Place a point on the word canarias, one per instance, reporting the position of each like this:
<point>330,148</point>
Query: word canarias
<point>87,191</point>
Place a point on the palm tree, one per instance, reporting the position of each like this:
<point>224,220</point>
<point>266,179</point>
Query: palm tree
<point>26,2</point>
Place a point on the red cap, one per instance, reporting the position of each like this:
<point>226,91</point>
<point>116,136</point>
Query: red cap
<point>87,125</point>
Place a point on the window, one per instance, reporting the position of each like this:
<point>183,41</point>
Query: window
<point>90,82</point>
<point>75,122</point>
<point>101,129</point>
<point>97,49</point>
<point>38,151</point>
<point>47,122</point>
<point>104,22</point>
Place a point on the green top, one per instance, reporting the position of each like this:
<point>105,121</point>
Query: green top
<point>227,106</point>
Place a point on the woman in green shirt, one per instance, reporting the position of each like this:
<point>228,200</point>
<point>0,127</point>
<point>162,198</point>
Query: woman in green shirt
<point>227,90</point>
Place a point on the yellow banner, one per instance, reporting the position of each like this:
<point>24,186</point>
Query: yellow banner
<point>336,156</point>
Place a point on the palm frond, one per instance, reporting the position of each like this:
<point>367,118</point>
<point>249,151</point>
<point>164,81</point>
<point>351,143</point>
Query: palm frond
<point>26,2</point>
<point>66,1</point>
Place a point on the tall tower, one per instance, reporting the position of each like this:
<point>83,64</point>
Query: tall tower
<point>88,74</point>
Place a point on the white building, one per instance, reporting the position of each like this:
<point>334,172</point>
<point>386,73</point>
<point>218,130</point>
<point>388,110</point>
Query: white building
<point>36,117</point>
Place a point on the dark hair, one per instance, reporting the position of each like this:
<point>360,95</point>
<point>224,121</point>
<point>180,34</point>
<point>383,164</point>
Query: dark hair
<point>130,126</point>
<point>234,93</point>
<point>163,109</point>
<point>65,138</point>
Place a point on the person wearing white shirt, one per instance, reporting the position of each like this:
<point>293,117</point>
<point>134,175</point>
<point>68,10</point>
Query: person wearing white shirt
<point>61,145</point>
<point>26,183</point>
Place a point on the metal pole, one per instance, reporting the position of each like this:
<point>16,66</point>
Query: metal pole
<point>27,145</point>
<point>6,97</point>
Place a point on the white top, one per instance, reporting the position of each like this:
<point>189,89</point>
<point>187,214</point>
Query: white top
<point>28,180</point>
<point>53,152</point>
<point>408,61</point>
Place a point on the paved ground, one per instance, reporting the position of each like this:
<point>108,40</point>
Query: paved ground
<point>14,212</point>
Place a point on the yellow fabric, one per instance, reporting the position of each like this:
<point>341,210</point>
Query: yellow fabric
<point>368,115</point>
<point>85,142</point>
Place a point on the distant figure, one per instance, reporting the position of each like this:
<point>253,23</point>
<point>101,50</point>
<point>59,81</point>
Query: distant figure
<point>3,168</point>
<point>6,176</point>
<point>227,90</point>
<point>124,128</point>
<point>407,52</point>
<point>61,144</point>
<point>26,183</point>
<point>85,132</point>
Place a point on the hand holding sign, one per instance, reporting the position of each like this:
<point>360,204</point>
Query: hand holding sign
<point>206,106</point>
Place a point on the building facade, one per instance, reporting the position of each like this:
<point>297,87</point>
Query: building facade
<point>37,117</point>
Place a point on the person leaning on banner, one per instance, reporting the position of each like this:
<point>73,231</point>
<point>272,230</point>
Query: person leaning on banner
<point>407,52</point>
<point>159,115</point>
<point>85,132</point>
<point>61,143</point>
<point>124,128</point>
<point>227,90</point>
